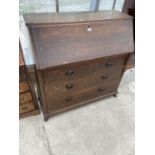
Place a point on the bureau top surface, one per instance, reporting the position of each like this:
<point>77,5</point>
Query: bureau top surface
<point>72,17</point>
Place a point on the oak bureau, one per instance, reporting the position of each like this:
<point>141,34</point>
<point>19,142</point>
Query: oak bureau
<point>80,57</point>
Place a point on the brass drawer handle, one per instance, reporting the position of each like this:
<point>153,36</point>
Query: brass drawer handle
<point>69,99</point>
<point>109,64</point>
<point>69,86</point>
<point>69,72</point>
<point>104,77</point>
<point>101,89</point>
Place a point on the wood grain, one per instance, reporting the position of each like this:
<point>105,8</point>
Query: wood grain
<point>82,69</point>
<point>58,45</point>
<point>58,88</point>
<point>80,57</point>
<point>72,98</point>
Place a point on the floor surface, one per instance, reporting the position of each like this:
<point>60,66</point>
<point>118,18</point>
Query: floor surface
<point>105,127</point>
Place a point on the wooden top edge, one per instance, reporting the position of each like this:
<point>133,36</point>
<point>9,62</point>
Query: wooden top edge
<point>72,17</point>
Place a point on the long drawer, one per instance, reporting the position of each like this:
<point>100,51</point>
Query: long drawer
<point>55,103</point>
<point>57,88</point>
<point>80,70</point>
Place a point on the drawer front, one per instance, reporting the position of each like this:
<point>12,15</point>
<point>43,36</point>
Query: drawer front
<point>57,88</point>
<point>108,63</point>
<point>23,87</point>
<point>70,99</point>
<point>68,43</point>
<point>80,70</point>
<point>26,107</point>
<point>25,97</point>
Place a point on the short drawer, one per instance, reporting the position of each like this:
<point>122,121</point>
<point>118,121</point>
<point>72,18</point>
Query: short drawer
<point>25,97</point>
<point>26,107</point>
<point>56,103</point>
<point>108,63</point>
<point>80,70</point>
<point>23,87</point>
<point>57,88</point>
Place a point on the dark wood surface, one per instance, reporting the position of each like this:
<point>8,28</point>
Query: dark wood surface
<point>58,88</point>
<point>57,45</point>
<point>96,81</point>
<point>83,103</point>
<point>85,94</point>
<point>73,17</point>
<point>82,69</point>
<point>62,91</point>
<point>80,57</point>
